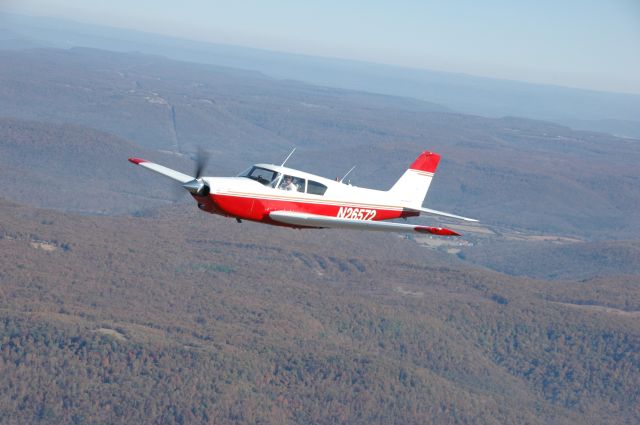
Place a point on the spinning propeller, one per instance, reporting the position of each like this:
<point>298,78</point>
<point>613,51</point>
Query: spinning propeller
<point>198,186</point>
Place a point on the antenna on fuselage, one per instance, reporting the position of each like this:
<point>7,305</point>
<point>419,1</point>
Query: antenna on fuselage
<point>287,158</point>
<point>348,172</point>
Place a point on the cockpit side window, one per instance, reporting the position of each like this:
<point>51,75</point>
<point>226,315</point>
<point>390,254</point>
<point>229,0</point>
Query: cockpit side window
<point>292,183</point>
<point>316,188</point>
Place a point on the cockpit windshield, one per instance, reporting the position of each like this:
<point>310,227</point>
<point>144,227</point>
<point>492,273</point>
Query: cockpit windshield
<point>262,175</point>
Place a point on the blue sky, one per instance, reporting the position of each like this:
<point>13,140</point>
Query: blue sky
<point>590,43</point>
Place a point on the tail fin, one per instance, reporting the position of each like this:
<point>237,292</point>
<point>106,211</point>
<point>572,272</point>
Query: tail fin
<point>412,187</point>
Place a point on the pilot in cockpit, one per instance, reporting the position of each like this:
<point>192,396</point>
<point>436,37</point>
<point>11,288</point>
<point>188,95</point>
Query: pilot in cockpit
<point>288,184</point>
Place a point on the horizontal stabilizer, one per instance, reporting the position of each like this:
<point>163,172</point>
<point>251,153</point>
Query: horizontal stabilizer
<point>441,213</point>
<point>313,220</point>
<point>167,172</point>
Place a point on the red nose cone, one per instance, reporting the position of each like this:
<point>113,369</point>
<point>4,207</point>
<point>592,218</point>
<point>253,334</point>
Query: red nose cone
<point>137,160</point>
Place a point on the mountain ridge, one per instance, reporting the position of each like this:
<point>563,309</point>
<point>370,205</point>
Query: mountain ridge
<point>578,108</point>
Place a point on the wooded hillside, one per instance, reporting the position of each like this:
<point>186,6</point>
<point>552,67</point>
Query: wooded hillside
<point>187,318</point>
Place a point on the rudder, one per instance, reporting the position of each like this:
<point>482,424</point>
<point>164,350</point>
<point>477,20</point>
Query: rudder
<point>412,187</point>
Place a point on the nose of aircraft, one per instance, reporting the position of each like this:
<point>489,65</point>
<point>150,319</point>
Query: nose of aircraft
<point>197,187</point>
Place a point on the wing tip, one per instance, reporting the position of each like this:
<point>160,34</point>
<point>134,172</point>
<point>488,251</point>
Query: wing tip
<point>440,231</point>
<point>137,161</point>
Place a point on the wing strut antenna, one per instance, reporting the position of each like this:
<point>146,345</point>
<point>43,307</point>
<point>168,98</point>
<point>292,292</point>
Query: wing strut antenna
<point>287,158</point>
<point>348,172</point>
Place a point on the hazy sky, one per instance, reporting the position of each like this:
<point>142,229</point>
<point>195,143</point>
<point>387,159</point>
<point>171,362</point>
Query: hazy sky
<point>580,43</point>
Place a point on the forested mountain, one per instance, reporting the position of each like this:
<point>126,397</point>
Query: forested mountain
<point>182,318</point>
<point>76,168</point>
<point>553,260</point>
<point>121,302</point>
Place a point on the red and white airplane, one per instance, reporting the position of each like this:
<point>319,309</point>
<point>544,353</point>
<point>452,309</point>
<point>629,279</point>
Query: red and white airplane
<point>282,196</point>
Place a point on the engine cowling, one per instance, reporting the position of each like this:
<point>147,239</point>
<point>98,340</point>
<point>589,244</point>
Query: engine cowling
<point>197,187</point>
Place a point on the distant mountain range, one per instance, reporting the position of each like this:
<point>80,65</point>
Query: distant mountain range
<point>518,173</point>
<point>613,113</point>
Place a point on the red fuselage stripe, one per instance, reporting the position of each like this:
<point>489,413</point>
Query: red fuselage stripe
<point>288,198</point>
<point>258,209</point>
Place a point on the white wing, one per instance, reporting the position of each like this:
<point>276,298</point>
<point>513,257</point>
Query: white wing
<point>322,221</point>
<point>168,172</point>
